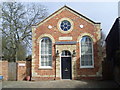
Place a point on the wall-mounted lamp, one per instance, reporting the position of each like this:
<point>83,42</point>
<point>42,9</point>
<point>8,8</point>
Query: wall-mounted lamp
<point>57,53</point>
<point>74,53</point>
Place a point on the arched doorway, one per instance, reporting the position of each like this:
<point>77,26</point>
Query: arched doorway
<point>66,72</point>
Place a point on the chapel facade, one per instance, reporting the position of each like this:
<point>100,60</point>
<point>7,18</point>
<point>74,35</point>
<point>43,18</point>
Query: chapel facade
<point>66,45</point>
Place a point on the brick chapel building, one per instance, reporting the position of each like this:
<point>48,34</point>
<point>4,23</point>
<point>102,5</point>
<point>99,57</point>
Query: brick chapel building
<point>66,45</point>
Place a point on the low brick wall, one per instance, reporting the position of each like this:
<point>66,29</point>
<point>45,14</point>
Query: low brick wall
<point>4,69</point>
<point>21,70</point>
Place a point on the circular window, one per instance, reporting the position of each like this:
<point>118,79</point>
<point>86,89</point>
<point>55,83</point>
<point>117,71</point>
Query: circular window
<point>65,25</point>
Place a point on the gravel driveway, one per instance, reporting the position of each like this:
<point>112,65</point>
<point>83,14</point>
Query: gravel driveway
<point>59,84</point>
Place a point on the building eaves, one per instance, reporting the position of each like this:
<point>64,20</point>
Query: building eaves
<point>69,9</point>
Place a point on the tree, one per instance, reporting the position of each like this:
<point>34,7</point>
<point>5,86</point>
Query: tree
<point>102,39</point>
<point>17,19</point>
<point>103,46</point>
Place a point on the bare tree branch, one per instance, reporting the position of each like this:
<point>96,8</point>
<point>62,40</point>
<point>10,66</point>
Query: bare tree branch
<point>17,19</point>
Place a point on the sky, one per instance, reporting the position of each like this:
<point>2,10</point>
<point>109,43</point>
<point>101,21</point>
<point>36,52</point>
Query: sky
<point>119,8</point>
<point>103,12</point>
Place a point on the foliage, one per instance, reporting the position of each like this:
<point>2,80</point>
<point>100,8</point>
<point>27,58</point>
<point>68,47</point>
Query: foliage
<point>102,39</point>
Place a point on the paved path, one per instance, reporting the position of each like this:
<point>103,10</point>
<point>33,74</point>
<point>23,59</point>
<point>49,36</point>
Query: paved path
<point>59,84</point>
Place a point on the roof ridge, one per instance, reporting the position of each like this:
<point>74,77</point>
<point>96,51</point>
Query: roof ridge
<point>65,6</point>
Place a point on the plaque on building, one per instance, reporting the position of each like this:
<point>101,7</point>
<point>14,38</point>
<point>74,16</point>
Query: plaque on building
<point>65,38</point>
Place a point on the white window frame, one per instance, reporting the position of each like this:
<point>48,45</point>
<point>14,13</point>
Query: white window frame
<point>44,67</point>
<point>92,66</point>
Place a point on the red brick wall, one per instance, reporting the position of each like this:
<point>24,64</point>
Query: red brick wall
<point>4,69</point>
<point>21,71</point>
<point>75,33</point>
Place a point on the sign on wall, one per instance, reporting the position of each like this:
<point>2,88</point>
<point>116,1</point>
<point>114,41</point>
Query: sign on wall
<point>21,64</point>
<point>65,38</point>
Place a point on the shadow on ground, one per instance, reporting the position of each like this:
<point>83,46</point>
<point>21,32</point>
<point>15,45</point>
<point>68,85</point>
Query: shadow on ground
<point>98,84</point>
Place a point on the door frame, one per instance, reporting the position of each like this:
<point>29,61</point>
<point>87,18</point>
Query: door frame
<point>61,66</point>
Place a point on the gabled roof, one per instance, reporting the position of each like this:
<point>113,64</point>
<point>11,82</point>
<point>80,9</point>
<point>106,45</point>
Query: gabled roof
<point>65,7</point>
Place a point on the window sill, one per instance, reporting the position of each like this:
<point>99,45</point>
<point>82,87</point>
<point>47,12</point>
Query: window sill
<point>45,68</point>
<point>87,67</point>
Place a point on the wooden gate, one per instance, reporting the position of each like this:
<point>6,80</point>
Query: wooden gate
<point>12,71</point>
<point>28,68</point>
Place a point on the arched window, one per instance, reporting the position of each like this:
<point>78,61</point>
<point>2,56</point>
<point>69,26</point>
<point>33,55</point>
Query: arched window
<point>86,52</point>
<point>45,52</point>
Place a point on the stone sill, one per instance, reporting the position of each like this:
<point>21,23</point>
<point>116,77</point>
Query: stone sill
<point>43,68</point>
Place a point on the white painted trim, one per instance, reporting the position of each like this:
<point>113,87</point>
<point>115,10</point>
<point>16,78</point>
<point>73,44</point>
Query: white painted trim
<point>92,53</point>
<point>59,11</point>
<point>43,67</point>
<point>86,34</point>
<point>46,35</point>
<point>65,38</point>
<point>60,65</point>
<point>87,66</point>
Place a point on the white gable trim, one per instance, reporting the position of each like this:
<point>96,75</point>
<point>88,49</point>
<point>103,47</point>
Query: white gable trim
<point>50,17</point>
<point>80,16</point>
<point>59,11</point>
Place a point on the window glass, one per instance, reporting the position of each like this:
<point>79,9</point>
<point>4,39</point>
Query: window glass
<point>86,51</point>
<point>65,25</point>
<point>46,52</point>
